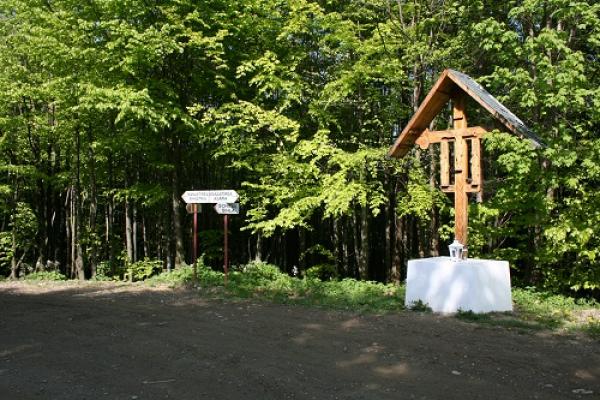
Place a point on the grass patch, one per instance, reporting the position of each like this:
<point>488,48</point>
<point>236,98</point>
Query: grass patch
<point>538,310</point>
<point>261,280</point>
<point>534,310</point>
<point>506,320</point>
<point>554,311</point>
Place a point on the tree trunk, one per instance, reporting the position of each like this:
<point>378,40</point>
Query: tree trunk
<point>387,257</point>
<point>110,210</point>
<point>302,249</point>
<point>77,211</point>
<point>356,243</point>
<point>175,209</point>
<point>93,250</point>
<point>69,256</point>
<point>399,254</point>
<point>337,245</point>
<point>363,266</point>
<point>134,229</point>
<point>13,261</point>
<point>128,231</point>
<point>145,238</point>
<point>259,247</point>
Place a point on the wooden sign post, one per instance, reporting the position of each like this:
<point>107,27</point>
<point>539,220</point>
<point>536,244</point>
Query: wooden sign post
<point>195,197</point>
<point>226,209</point>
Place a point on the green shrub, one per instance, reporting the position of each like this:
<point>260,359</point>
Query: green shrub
<point>175,277</point>
<point>185,274</point>
<point>45,276</point>
<point>104,271</point>
<point>261,271</point>
<point>419,306</point>
<point>322,272</point>
<point>144,269</point>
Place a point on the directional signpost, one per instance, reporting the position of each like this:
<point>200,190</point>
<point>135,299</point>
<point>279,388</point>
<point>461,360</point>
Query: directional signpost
<point>225,201</point>
<point>226,209</point>
<point>210,196</point>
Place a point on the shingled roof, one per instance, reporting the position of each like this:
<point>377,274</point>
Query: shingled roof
<point>446,87</point>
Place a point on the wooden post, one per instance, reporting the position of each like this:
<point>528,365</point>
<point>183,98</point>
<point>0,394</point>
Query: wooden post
<point>444,164</point>
<point>461,167</point>
<point>195,243</point>
<point>225,248</point>
<point>476,166</point>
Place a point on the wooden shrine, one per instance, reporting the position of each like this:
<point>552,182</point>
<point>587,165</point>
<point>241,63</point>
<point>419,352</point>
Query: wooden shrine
<point>460,147</point>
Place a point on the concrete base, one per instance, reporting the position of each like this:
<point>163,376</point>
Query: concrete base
<point>448,286</point>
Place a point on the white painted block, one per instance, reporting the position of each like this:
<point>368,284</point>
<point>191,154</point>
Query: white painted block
<point>448,286</point>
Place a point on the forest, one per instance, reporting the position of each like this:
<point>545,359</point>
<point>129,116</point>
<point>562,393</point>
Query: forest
<point>110,110</point>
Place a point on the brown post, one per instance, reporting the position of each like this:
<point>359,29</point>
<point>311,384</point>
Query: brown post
<point>461,166</point>
<point>225,249</point>
<point>195,241</point>
<point>477,168</point>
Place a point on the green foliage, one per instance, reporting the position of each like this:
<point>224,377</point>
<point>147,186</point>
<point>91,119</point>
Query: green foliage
<point>549,309</point>
<point>322,272</point>
<point>260,272</point>
<point>419,198</point>
<point>141,270</point>
<point>420,306</point>
<point>45,276</point>
<point>6,252</point>
<point>24,222</point>
<point>534,310</point>
<point>175,277</point>
<point>537,310</point>
<point>262,280</point>
<point>111,105</point>
<point>184,275</point>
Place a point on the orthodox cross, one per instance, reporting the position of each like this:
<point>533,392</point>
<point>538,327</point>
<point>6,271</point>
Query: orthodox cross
<point>460,147</point>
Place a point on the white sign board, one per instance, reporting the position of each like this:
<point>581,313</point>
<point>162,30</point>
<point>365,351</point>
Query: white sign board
<point>210,196</point>
<point>227,208</point>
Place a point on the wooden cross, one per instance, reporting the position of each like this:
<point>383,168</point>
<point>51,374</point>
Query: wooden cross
<point>467,178</point>
<point>461,141</point>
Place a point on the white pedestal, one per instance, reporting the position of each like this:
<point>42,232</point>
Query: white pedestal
<point>449,286</point>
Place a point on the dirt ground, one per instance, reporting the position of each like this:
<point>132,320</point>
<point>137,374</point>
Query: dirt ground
<point>119,341</point>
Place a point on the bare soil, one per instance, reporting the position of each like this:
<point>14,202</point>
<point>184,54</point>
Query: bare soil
<point>123,341</point>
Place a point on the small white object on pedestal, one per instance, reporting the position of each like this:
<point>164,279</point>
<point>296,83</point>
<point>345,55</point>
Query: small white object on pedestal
<point>448,286</point>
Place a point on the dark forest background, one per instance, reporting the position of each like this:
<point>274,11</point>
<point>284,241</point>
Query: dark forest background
<point>110,110</point>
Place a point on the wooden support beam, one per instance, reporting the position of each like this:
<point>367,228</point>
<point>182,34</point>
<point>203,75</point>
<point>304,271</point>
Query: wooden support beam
<point>475,164</point>
<point>461,167</point>
<point>444,164</point>
<point>428,137</point>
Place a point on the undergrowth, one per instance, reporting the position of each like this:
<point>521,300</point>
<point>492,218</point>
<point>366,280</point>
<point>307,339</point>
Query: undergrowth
<point>262,280</point>
<point>537,310</point>
<point>533,310</point>
<point>45,276</point>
